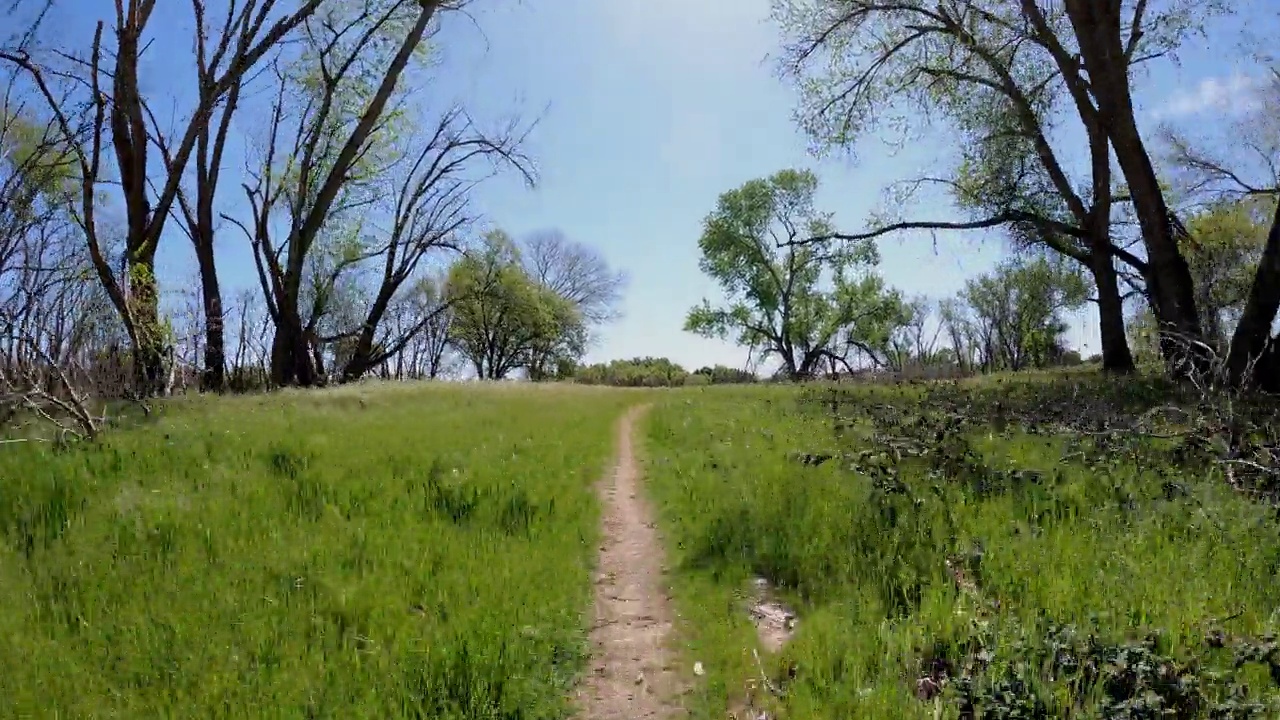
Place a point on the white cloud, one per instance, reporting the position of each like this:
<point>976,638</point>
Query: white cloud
<point>1233,94</point>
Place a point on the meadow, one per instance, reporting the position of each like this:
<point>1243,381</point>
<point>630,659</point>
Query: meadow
<point>1055,548</point>
<point>394,551</point>
<point>1047,546</point>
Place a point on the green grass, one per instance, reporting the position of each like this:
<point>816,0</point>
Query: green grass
<point>1085,562</point>
<point>421,551</point>
<point>388,552</point>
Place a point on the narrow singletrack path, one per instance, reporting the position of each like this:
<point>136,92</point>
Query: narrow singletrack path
<point>631,674</point>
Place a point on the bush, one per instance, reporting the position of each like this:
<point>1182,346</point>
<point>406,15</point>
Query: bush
<point>636,372</point>
<point>247,379</point>
<point>724,375</point>
<point>657,372</point>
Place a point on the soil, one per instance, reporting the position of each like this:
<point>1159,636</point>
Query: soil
<point>774,621</point>
<point>632,673</point>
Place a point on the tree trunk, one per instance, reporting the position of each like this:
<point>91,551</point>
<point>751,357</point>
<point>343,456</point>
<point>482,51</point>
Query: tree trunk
<point>789,367</point>
<point>291,359</point>
<point>1097,25</point>
<point>362,360</point>
<point>1248,361</point>
<point>284,371</point>
<point>311,363</point>
<point>1116,357</point>
<point>149,338</point>
<point>362,356</point>
<point>213,377</point>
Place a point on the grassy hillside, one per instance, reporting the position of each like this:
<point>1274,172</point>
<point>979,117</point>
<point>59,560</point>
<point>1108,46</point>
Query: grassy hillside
<point>1027,549</point>
<point>371,552</point>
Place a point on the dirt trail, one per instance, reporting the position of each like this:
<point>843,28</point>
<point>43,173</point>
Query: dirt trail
<point>632,671</point>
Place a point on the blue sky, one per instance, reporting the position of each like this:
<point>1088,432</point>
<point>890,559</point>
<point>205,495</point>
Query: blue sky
<point>650,109</point>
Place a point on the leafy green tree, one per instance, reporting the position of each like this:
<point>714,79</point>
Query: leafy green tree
<point>335,109</point>
<point>503,320</point>
<point>1018,308</point>
<point>1006,73</point>
<point>1224,246</point>
<point>724,375</point>
<point>636,372</point>
<point>1245,166</point>
<point>909,340</point>
<point>788,297</point>
<point>1226,242</point>
<point>1144,335</point>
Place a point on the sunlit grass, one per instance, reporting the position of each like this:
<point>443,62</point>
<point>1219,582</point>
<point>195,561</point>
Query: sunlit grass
<point>1106,551</point>
<point>378,551</point>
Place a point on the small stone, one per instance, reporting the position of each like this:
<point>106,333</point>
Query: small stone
<point>640,679</point>
<point>697,669</point>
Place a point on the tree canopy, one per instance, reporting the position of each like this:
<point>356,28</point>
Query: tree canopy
<point>799,300</point>
<point>504,320</point>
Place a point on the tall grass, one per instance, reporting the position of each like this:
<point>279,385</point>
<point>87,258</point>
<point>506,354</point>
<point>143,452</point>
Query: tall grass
<point>1083,557</point>
<point>393,552</point>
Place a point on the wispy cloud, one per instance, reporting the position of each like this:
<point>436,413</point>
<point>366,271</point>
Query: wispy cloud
<point>1232,94</point>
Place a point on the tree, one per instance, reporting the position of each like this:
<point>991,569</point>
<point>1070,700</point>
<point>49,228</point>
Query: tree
<point>1227,240</point>
<point>1111,36</point>
<point>958,325</point>
<point>785,300</point>
<point>25,18</point>
<point>430,312</point>
<point>1245,170</point>
<point>54,326</point>
<point>320,179</point>
<point>1144,334</point>
<point>996,68</point>
<point>636,372</point>
<point>909,339</point>
<point>239,27</point>
<point>120,121</point>
<point>1009,169</point>
<point>1017,311</point>
<point>432,210</point>
<point>576,272</point>
<point>504,320</point>
<point>251,342</point>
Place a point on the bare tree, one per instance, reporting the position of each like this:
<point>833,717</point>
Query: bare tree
<point>25,17</point>
<point>249,336</point>
<point>311,179</point>
<point>576,272</point>
<point>959,327</point>
<point>238,29</point>
<point>52,340</point>
<point>184,310</point>
<point>914,342</point>
<point>114,117</point>
<point>423,316</point>
<point>432,210</point>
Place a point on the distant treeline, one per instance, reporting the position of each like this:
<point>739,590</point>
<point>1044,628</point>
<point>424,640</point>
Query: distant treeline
<point>656,372</point>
